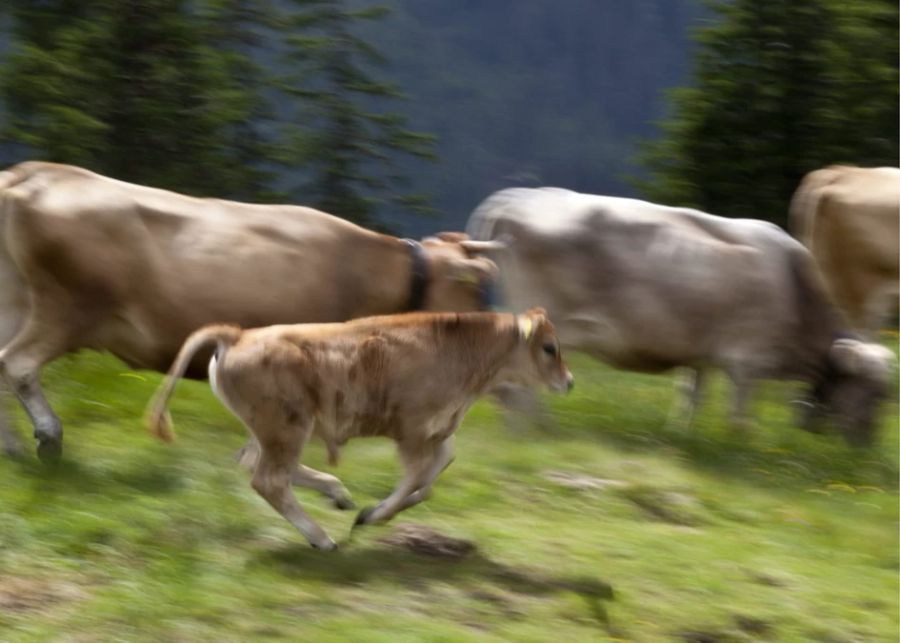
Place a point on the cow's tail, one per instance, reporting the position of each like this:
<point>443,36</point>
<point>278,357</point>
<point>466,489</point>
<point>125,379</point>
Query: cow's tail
<point>157,416</point>
<point>805,203</point>
<point>484,218</point>
<point>10,178</point>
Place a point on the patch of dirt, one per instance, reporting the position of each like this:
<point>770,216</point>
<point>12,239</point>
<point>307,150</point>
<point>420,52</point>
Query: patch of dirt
<point>428,542</point>
<point>705,636</point>
<point>503,603</point>
<point>582,482</point>
<point>753,625</point>
<point>766,579</point>
<point>27,595</point>
<point>668,506</point>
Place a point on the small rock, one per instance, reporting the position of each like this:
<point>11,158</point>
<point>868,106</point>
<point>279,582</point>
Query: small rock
<point>582,482</point>
<point>753,625</point>
<point>426,541</point>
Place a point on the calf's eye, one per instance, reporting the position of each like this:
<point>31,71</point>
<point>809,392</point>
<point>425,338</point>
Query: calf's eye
<point>550,349</point>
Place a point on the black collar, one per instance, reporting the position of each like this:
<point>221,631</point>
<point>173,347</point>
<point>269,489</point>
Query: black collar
<point>419,281</point>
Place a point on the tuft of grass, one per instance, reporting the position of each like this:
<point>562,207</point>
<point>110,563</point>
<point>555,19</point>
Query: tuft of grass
<point>606,526</point>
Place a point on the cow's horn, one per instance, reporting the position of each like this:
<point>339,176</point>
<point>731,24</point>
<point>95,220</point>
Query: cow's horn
<point>484,246</point>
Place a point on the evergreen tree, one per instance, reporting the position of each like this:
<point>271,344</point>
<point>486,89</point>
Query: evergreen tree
<point>782,87</point>
<point>138,89</point>
<point>342,136</point>
<point>237,31</point>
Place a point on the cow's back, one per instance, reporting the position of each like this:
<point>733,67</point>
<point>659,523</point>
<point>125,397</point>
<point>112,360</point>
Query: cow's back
<point>135,269</point>
<point>644,286</point>
<point>849,218</point>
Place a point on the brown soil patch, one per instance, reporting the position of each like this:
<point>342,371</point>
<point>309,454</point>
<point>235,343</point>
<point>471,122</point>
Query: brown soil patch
<point>581,481</point>
<point>428,542</point>
<point>28,594</point>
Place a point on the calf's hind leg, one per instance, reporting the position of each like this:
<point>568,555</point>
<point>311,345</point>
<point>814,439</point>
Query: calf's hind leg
<point>324,483</point>
<point>303,476</point>
<point>279,452</point>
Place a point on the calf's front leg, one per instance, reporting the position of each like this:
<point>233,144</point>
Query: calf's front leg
<point>278,457</point>
<point>423,464</point>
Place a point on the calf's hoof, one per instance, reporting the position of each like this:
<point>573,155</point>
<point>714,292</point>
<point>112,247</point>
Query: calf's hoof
<point>325,545</point>
<point>364,516</point>
<point>344,503</point>
<point>49,451</point>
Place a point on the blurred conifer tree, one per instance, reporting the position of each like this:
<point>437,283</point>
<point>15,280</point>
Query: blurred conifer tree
<point>190,96</point>
<point>340,128</point>
<point>138,89</point>
<point>781,87</point>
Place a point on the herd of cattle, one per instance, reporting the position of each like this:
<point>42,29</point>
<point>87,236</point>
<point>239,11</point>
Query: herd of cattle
<point>91,262</point>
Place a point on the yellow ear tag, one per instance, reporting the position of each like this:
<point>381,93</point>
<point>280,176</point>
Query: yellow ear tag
<point>525,327</point>
<point>468,278</point>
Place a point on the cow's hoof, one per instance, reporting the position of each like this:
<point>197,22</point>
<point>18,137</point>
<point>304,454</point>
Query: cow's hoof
<point>344,503</point>
<point>326,545</point>
<point>49,452</point>
<point>362,518</point>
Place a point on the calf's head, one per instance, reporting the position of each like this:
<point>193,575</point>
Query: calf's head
<point>856,380</point>
<point>537,361</point>
<point>458,280</point>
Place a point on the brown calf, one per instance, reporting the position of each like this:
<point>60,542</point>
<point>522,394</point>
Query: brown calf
<point>407,377</point>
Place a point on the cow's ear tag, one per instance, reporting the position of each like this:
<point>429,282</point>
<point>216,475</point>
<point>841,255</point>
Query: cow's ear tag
<point>526,326</point>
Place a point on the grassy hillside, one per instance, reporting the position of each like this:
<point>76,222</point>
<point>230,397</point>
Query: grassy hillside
<point>608,527</point>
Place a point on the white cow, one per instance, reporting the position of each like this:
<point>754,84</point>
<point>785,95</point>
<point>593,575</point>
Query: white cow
<point>649,288</point>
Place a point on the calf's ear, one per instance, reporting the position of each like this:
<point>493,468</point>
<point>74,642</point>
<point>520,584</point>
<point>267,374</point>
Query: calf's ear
<point>530,321</point>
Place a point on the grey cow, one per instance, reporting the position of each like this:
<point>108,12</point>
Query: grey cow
<point>648,288</point>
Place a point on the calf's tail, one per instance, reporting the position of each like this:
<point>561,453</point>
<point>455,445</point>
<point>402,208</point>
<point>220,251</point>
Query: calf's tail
<point>157,417</point>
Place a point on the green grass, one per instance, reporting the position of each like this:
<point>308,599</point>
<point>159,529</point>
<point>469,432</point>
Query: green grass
<point>701,535</point>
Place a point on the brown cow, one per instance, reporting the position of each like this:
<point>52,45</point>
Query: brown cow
<point>91,262</point>
<point>849,218</point>
<point>407,377</point>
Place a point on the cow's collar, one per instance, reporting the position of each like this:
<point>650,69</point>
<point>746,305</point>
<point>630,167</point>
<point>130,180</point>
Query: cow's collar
<point>419,281</point>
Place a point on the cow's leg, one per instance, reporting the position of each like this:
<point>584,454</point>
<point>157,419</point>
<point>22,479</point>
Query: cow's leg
<point>743,390</point>
<point>11,318</point>
<point>417,461</point>
<point>877,307</point>
<point>688,390</point>
<point>272,480</point>
<point>850,294</point>
<point>21,362</point>
<point>324,483</point>
<point>443,458</point>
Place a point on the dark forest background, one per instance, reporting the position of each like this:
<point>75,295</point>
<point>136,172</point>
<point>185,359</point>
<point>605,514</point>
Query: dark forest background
<point>534,92</point>
<point>403,115</point>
